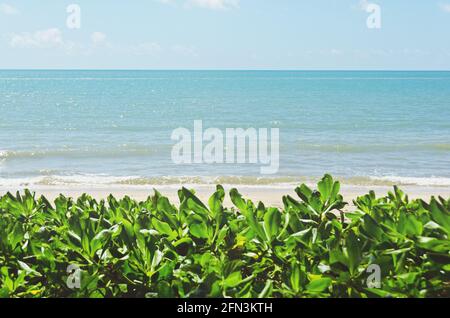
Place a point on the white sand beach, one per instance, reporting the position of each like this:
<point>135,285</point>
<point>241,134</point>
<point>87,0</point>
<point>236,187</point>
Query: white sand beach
<point>270,195</point>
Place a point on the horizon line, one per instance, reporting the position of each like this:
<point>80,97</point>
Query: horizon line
<point>227,69</point>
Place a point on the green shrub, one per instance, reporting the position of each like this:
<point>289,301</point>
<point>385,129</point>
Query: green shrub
<point>310,248</point>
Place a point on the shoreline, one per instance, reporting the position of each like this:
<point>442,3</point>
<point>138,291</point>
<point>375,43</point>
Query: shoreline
<point>270,195</point>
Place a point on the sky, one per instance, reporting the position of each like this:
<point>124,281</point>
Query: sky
<point>225,34</point>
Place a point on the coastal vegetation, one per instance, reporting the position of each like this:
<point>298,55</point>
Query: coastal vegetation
<point>316,245</point>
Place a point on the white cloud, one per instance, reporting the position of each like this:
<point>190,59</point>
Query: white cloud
<point>335,52</point>
<point>50,38</point>
<point>185,50</point>
<point>214,4</point>
<point>8,9</point>
<point>167,1</point>
<point>445,7</point>
<point>206,4</point>
<point>151,48</point>
<point>47,39</point>
<point>98,38</point>
<point>363,5</point>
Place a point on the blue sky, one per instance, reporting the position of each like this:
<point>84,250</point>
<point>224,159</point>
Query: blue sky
<point>225,34</point>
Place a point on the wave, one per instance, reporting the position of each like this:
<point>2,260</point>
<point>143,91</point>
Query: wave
<point>127,151</point>
<point>271,78</point>
<point>177,181</point>
<point>101,179</point>
<point>354,148</point>
<point>59,180</point>
<point>431,181</point>
<point>83,152</point>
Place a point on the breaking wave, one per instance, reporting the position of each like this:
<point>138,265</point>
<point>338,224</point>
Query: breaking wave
<point>283,181</point>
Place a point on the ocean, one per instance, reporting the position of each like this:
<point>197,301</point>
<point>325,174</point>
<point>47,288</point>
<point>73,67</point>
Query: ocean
<point>114,127</point>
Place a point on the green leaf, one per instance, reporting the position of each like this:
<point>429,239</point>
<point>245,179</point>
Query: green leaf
<point>371,227</point>
<point>216,200</point>
<point>157,258</point>
<point>440,215</point>
<point>318,285</point>
<point>233,280</point>
<point>163,227</point>
<point>28,269</point>
<point>304,235</point>
<point>247,210</point>
<point>379,292</point>
<point>237,200</point>
<point>198,228</point>
<point>325,187</point>
<point>272,223</point>
<point>167,212</point>
<point>408,278</point>
<point>304,192</point>
<point>413,226</point>
<point>295,277</point>
<point>267,290</point>
<point>17,235</point>
<point>194,203</point>
<point>4,292</point>
<point>353,251</point>
<point>433,244</point>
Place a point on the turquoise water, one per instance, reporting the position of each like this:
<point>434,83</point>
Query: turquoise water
<point>103,127</point>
